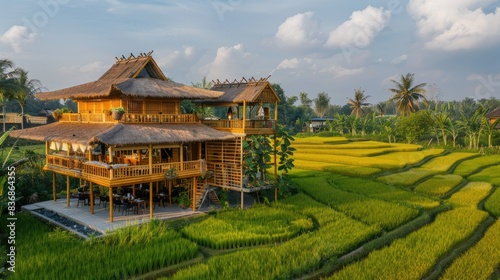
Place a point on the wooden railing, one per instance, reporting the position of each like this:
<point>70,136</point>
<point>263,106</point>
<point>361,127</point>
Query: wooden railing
<point>129,118</point>
<point>66,161</point>
<point>112,172</point>
<point>238,124</point>
<point>29,119</point>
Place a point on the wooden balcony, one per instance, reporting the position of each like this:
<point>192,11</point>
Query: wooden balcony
<point>121,174</point>
<point>128,118</point>
<point>243,126</point>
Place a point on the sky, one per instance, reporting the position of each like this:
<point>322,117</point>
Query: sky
<point>306,46</point>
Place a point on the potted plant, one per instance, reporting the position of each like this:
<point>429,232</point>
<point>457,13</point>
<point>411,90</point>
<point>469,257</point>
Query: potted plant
<point>170,174</point>
<point>184,200</point>
<point>57,113</point>
<point>117,112</point>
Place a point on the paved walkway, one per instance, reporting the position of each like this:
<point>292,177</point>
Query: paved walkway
<point>99,221</point>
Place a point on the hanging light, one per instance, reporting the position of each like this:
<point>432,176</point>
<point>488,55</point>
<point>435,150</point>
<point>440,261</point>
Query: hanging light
<point>230,113</point>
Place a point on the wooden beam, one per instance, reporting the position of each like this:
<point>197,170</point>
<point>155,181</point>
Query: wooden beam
<point>68,192</point>
<point>150,154</point>
<point>275,167</point>
<point>244,113</point>
<point>150,200</point>
<point>91,198</point>
<point>110,205</point>
<point>54,186</point>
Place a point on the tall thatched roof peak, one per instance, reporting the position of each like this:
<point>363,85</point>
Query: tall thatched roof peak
<point>135,76</point>
<point>249,90</point>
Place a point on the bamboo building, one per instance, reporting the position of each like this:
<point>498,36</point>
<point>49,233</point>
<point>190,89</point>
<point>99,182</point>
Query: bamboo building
<point>153,135</point>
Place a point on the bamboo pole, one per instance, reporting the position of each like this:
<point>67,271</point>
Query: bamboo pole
<point>54,186</point>
<point>110,204</point>
<point>91,199</point>
<point>194,193</point>
<point>150,200</point>
<point>68,192</point>
<point>244,114</point>
<point>275,168</point>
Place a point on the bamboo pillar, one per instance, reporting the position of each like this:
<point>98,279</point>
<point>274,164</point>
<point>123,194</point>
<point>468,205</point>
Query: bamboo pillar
<point>194,193</point>
<point>275,168</point>
<point>150,200</point>
<point>150,154</point>
<point>244,113</point>
<point>110,155</point>
<point>47,148</point>
<point>199,150</point>
<point>68,192</point>
<point>54,186</point>
<point>133,190</point>
<point>181,156</point>
<point>91,198</point>
<point>110,205</point>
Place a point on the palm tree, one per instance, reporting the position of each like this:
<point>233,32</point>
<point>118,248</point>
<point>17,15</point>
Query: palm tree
<point>381,108</point>
<point>7,85</point>
<point>406,95</point>
<point>358,102</point>
<point>26,88</point>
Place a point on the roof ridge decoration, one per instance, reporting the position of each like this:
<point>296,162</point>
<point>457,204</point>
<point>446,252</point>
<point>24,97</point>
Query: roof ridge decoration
<point>132,56</point>
<point>243,80</point>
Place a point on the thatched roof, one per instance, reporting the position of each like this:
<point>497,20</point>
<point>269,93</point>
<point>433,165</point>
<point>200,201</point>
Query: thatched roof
<point>493,114</point>
<point>251,91</point>
<point>132,77</point>
<point>81,133</point>
<point>135,134</point>
<point>122,134</point>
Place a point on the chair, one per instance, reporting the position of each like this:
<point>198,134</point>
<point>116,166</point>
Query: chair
<point>127,207</point>
<point>81,199</point>
<point>117,203</point>
<point>104,200</point>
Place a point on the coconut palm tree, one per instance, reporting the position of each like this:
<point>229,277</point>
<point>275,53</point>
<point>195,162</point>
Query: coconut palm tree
<point>7,85</point>
<point>406,95</point>
<point>26,88</point>
<point>381,108</point>
<point>358,102</point>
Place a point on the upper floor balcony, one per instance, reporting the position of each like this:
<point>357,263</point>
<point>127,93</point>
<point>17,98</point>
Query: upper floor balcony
<point>114,175</point>
<point>243,126</point>
<point>128,118</point>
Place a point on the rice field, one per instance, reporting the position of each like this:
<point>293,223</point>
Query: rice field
<point>489,174</point>
<point>407,178</point>
<point>371,211</point>
<point>492,204</point>
<point>481,260</point>
<point>469,166</point>
<point>341,206</point>
<point>439,185</point>
<point>444,163</point>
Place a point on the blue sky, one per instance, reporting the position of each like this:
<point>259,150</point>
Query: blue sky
<point>306,46</point>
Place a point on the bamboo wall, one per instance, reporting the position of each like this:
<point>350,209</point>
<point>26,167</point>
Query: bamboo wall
<point>225,159</point>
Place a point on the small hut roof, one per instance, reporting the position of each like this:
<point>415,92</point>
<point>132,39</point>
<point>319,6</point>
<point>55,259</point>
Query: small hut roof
<point>250,91</point>
<point>494,114</point>
<point>122,134</point>
<point>132,77</point>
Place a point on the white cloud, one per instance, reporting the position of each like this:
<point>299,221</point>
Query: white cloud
<point>300,30</point>
<point>338,71</point>
<point>229,63</point>
<point>360,30</point>
<point>399,59</point>
<point>17,36</point>
<point>460,25</point>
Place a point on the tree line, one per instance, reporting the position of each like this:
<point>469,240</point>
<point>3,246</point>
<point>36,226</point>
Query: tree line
<point>407,116</point>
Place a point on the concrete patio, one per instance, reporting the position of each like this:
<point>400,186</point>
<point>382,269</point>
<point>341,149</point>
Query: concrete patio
<point>99,221</point>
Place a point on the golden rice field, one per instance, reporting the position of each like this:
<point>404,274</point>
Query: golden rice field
<point>362,210</point>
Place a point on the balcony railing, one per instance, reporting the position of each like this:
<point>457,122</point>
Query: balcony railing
<point>123,172</point>
<point>129,118</point>
<point>237,125</point>
<point>69,162</point>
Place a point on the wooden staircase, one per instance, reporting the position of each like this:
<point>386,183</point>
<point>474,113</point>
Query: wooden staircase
<point>205,192</point>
